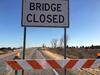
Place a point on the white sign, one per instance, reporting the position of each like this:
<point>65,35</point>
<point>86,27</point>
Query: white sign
<point>45,13</point>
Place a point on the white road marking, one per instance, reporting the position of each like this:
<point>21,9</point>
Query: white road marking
<point>44,57</point>
<point>55,72</point>
<point>9,72</point>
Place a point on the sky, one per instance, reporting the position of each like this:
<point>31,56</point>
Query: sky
<point>84,28</point>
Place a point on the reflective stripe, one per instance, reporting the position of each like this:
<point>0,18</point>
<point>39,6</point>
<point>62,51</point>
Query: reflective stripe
<point>88,64</point>
<point>14,65</point>
<point>54,64</point>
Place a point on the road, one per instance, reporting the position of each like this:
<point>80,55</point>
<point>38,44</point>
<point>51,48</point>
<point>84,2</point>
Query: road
<point>51,55</point>
<point>9,56</point>
<point>2,62</point>
<point>38,55</point>
<point>30,54</point>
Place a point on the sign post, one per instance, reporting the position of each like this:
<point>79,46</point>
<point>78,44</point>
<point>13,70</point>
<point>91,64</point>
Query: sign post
<point>45,13</point>
<point>65,47</point>
<point>24,46</point>
<point>24,43</point>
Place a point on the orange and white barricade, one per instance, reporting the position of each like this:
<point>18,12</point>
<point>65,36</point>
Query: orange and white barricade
<point>53,64</point>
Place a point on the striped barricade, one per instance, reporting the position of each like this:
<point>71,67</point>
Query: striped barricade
<point>53,64</point>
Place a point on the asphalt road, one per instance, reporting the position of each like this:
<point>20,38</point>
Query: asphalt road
<point>30,54</point>
<point>4,57</point>
<point>38,55</point>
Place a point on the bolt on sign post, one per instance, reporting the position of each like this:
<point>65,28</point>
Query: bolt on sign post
<point>45,13</point>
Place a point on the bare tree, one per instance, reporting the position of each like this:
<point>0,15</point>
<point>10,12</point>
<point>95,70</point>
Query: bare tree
<point>61,42</point>
<point>54,43</point>
<point>43,45</point>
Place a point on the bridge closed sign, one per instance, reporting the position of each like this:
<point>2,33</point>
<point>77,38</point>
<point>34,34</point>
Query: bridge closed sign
<point>45,13</point>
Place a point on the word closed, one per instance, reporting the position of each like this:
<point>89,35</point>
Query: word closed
<point>45,13</point>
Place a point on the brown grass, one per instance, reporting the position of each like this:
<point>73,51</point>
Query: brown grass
<point>76,53</point>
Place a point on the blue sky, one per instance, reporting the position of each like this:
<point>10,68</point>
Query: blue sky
<point>84,25</point>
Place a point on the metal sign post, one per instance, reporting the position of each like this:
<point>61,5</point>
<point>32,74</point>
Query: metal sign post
<point>65,43</point>
<point>65,39</point>
<point>24,43</point>
<point>24,46</point>
<point>65,47</point>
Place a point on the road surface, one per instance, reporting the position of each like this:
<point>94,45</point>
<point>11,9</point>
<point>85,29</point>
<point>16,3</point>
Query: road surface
<point>30,54</point>
<point>38,55</point>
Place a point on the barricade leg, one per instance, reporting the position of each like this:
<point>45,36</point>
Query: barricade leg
<point>16,72</point>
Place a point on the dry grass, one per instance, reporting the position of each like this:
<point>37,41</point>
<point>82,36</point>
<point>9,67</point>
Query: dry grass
<point>1,52</point>
<point>76,53</point>
<point>79,53</point>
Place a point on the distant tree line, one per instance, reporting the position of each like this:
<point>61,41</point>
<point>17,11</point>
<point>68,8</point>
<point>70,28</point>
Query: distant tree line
<point>86,47</point>
<point>7,48</point>
<point>91,47</point>
<point>59,43</point>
